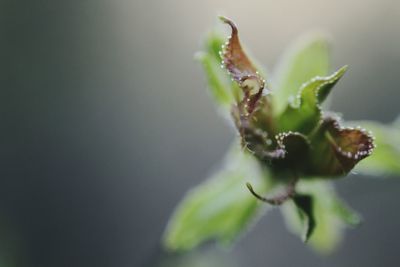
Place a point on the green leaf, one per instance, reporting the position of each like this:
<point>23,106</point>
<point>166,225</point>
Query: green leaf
<point>330,213</point>
<point>304,112</point>
<point>307,58</point>
<point>220,208</point>
<point>219,84</point>
<point>385,159</point>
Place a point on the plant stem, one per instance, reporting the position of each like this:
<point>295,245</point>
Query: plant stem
<point>280,199</point>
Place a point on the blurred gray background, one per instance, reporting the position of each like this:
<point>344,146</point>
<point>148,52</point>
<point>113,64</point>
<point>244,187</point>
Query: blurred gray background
<point>105,123</point>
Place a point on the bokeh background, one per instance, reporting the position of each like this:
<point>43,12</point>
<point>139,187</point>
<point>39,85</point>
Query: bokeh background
<point>105,123</point>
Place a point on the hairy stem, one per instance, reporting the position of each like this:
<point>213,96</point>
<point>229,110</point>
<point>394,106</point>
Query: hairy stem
<point>290,191</point>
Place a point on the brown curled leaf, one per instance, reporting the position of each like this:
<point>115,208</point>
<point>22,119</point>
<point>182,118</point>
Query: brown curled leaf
<point>252,114</point>
<point>342,148</point>
<point>257,140</point>
<point>280,149</point>
<point>241,69</point>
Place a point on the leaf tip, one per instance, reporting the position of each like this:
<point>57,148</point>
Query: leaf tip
<point>223,18</point>
<point>229,22</point>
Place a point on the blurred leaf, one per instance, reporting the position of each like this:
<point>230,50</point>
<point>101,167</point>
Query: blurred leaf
<point>209,257</point>
<point>224,91</point>
<point>304,112</point>
<point>219,83</point>
<point>345,213</point>
<point>385,159</point>
<point>330,213</point>
<point>304,205</point>
<point>307,58</point>
<point>213,45</point>
<point>220,208</point>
